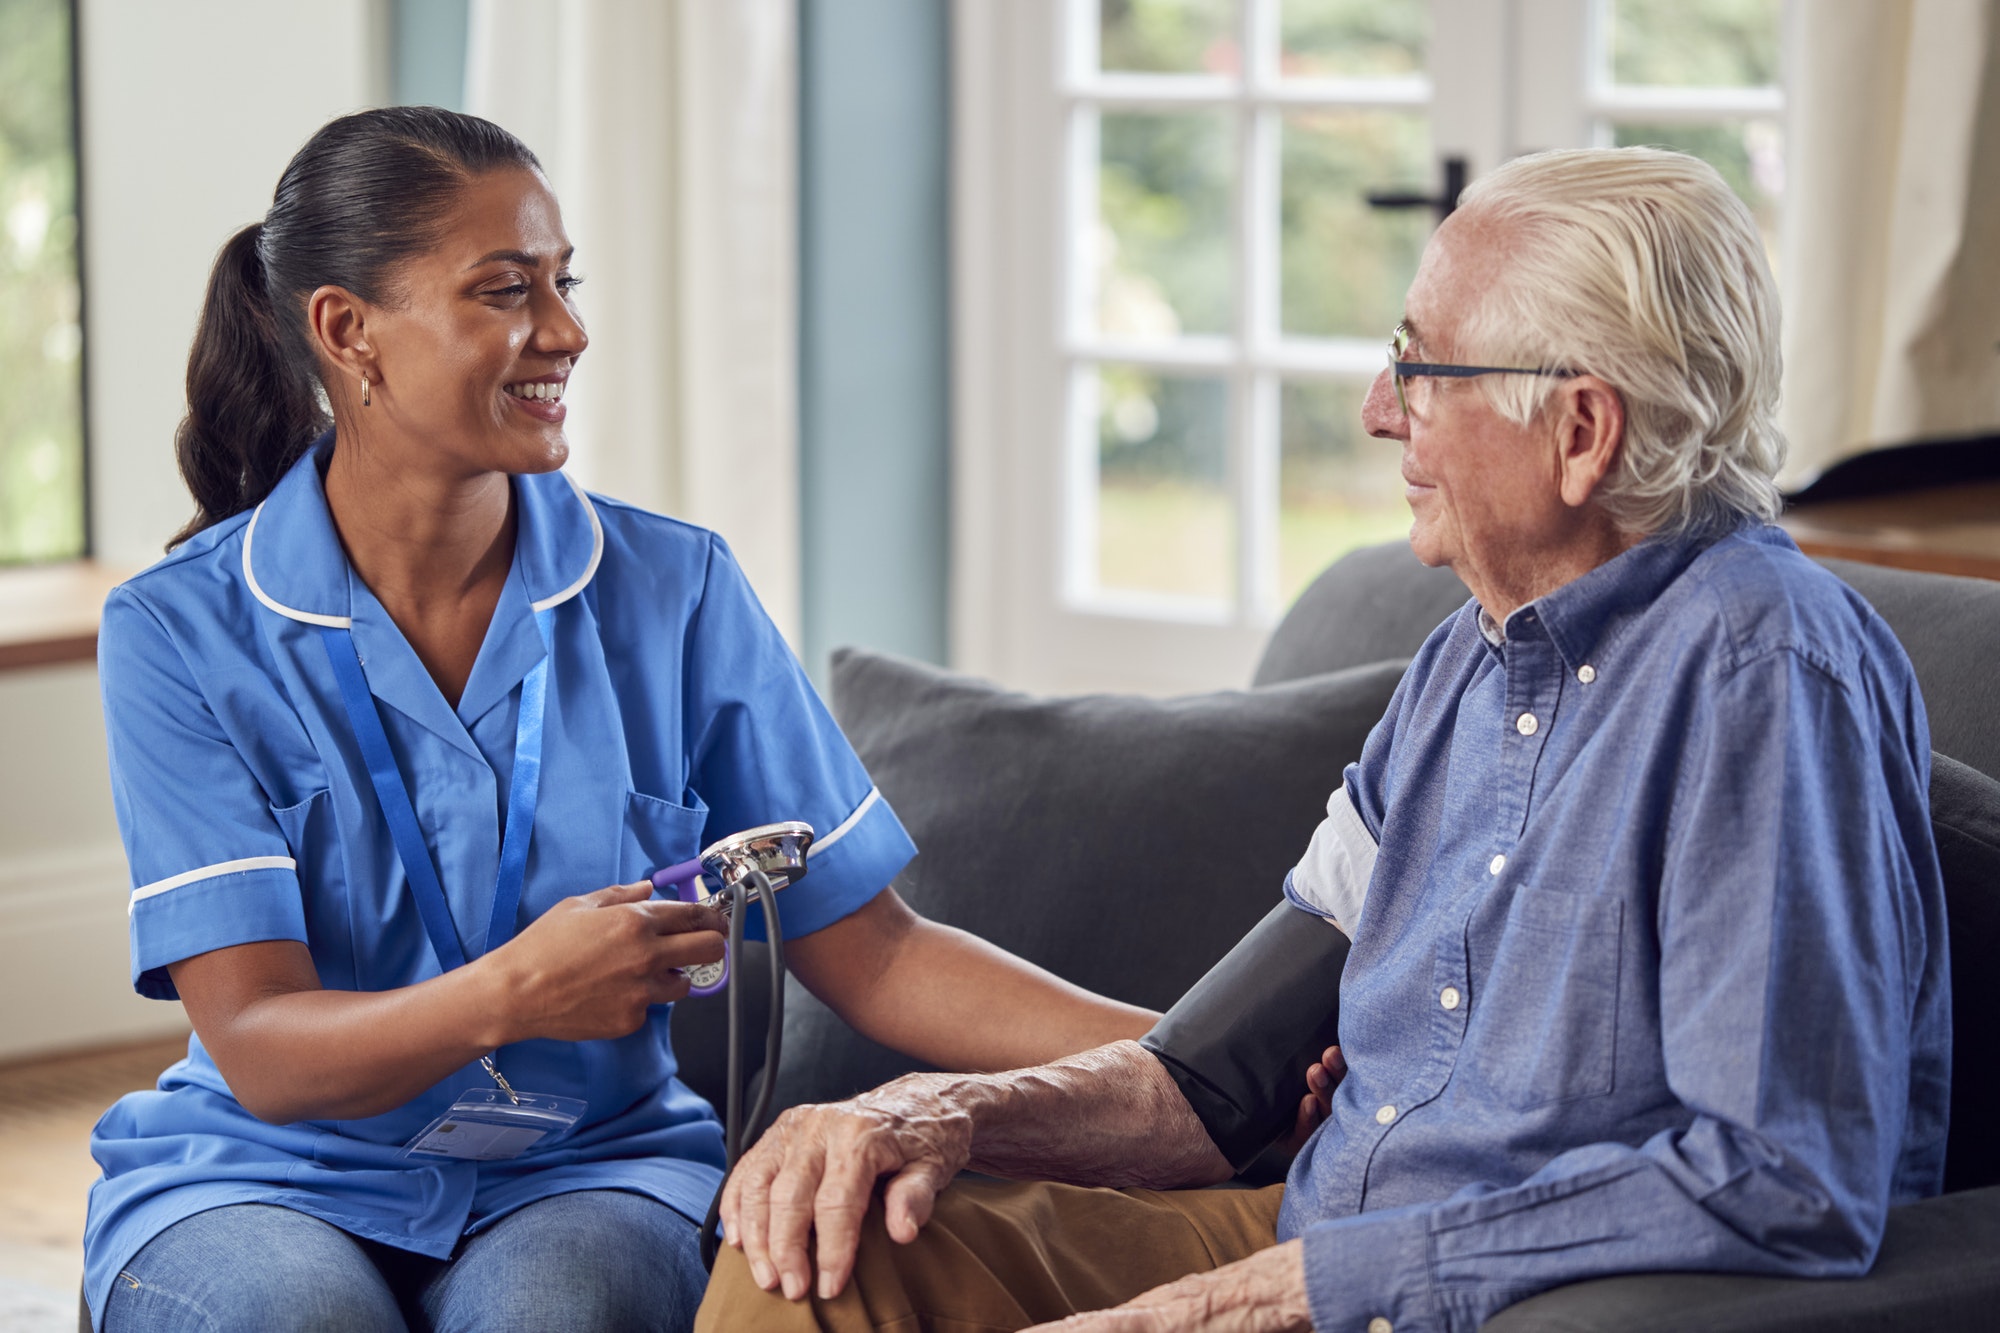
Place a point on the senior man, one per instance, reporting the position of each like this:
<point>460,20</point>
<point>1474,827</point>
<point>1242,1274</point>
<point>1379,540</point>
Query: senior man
<point>1648,966</point>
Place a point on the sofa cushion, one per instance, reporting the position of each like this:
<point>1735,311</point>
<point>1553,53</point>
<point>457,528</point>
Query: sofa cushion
<point>1123,843</point>
<point>1950,627</point>
<point>1375,603</point>
<point>1965,819</point>
<point>1379,602</point>
<point>1938,1270</point>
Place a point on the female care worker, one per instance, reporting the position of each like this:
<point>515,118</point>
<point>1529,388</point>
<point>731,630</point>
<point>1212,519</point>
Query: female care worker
<point>398,707</point>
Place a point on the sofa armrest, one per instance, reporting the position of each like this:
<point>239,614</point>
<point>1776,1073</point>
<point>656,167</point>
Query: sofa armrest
<point>1938,1270</point>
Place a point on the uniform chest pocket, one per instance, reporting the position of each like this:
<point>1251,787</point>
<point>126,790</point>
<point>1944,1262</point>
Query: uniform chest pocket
<point>1545,1021</point>
<point>309,832</point>
<point>658,834</point>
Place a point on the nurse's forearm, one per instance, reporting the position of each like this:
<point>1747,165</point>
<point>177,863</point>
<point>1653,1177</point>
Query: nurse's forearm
<point>949,998</point>
<point>291,1051</point>
<point>586,969</point>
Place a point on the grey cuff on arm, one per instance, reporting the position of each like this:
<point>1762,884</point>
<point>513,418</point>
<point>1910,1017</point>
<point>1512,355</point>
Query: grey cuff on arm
<point>1238,1043</point>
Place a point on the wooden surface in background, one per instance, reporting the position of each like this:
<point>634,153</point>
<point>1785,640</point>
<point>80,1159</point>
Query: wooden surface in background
<point>48,613</point>
<point>1945,530</point>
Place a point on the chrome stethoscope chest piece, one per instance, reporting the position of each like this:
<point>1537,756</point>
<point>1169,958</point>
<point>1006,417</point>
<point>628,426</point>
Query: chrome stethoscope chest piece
<point>779,850</point>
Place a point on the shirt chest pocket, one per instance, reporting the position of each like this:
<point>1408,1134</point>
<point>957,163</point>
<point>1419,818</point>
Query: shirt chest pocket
<point>1545,1020</point>
<point>658,833</point>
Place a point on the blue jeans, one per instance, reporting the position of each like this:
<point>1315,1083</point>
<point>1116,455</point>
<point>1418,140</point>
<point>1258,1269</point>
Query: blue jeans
<point>595,1259</point>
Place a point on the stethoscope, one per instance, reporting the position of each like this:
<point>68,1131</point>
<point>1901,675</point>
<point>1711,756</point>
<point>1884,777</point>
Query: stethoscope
<point>749,867</point>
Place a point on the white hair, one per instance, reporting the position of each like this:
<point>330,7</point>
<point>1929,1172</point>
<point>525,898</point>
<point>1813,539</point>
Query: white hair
<point>1641,267</point>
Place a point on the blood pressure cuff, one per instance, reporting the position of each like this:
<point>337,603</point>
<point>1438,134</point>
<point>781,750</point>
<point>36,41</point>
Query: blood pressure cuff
<point>1239,1042</point>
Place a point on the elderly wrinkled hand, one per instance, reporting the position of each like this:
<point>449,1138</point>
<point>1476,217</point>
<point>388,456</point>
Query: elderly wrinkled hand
<point>815,1170</point>
<point>1265,1293</point>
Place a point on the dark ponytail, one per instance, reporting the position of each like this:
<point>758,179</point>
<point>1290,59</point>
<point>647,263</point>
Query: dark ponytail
<point>251,413</point>
<point>365,194</point>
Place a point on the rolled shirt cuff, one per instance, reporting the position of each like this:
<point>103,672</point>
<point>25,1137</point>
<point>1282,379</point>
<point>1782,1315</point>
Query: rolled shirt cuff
<point>233,902</point>
<point>1332,878</point>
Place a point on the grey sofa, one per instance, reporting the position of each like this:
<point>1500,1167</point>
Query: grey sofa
<point>1129,843</point>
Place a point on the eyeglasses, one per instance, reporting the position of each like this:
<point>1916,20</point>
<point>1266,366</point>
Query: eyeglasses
<point>1400,370</point>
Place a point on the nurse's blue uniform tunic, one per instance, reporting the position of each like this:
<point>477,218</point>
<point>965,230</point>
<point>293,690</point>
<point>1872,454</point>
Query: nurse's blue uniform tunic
<point>675,715</point>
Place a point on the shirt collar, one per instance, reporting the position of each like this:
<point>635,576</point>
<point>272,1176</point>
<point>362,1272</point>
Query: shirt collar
<point>294,564</point>
<point>1578,615</point>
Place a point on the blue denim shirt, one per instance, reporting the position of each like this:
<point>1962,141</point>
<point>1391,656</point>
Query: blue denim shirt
<point>1650,971</point>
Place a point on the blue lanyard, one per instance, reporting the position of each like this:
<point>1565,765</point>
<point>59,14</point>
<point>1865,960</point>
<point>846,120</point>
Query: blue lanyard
<point>394,796</point>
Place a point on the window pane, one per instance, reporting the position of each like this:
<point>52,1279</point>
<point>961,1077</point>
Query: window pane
<point>1167,36</point>
<point>1164,520</point>
<point>1750,154</point>
<point>1338,488</point>
<point>1353,39</point>
<point>1694,43</point>
<point>1163,204</point>
<point>1344,265</point>
<point>41,344</point>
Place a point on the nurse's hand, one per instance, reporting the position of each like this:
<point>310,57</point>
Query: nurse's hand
<point>588,967</point>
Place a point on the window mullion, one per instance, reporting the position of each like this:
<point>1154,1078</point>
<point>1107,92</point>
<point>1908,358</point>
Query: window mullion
<point>1078,491</point>
<point>1260,496</point>
<point>1255,316</point>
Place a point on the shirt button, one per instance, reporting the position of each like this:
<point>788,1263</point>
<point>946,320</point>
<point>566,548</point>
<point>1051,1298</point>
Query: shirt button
<point>1496,865</point>
<point>1380,1325</point>
<point>1449,997</point>
<point>1526,724</point>
<point>1586,673</point>
<point>1385,1114</point>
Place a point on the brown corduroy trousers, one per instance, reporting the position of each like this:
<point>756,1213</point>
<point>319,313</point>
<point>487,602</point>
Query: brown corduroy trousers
<point>1006,1255</point>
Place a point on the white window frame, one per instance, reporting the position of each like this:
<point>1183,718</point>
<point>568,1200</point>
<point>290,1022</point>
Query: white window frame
<point>1506,77</point>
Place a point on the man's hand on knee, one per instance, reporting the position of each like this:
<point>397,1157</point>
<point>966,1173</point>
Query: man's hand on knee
<point>1265,1293</point>
<point>814,1171</point>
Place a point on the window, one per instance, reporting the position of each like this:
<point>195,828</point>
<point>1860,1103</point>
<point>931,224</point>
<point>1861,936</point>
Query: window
<point>1230,291</point>
<point>1171,290</point>
<point>41,338</point>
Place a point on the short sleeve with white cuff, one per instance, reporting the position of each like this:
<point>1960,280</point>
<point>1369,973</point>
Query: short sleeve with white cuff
<point>1331,880</point>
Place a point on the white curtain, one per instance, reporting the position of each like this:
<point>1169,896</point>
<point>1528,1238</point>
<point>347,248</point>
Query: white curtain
<point>668,131</point>
<point>1893,227</point>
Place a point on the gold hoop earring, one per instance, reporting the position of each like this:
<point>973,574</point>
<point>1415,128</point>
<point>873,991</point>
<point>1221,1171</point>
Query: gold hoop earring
<point>365,399</point>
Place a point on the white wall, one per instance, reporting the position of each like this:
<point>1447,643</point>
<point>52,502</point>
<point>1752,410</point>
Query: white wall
<point>190,111</point>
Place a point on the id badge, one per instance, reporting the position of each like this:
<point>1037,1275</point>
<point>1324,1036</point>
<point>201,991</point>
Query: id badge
<point>488,1125</point>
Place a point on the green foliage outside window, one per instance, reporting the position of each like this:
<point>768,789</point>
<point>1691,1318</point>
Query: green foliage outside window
<point>1695,43</point>
<point>41,340</point>
<point>1353,39</point>
<point>1163,195</point>
<point>1167,36</point>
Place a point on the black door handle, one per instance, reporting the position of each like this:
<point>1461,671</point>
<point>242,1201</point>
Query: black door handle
<point>1444,203</point>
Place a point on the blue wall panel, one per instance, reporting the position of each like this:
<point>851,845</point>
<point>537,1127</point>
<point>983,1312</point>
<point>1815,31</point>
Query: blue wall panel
<point>874,355</point>
<point>427,52</point>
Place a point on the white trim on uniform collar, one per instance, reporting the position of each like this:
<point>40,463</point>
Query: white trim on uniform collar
<point>867,803</point>
<point>347,622</point>
<point>310,618</point>
<point>596,551</point>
